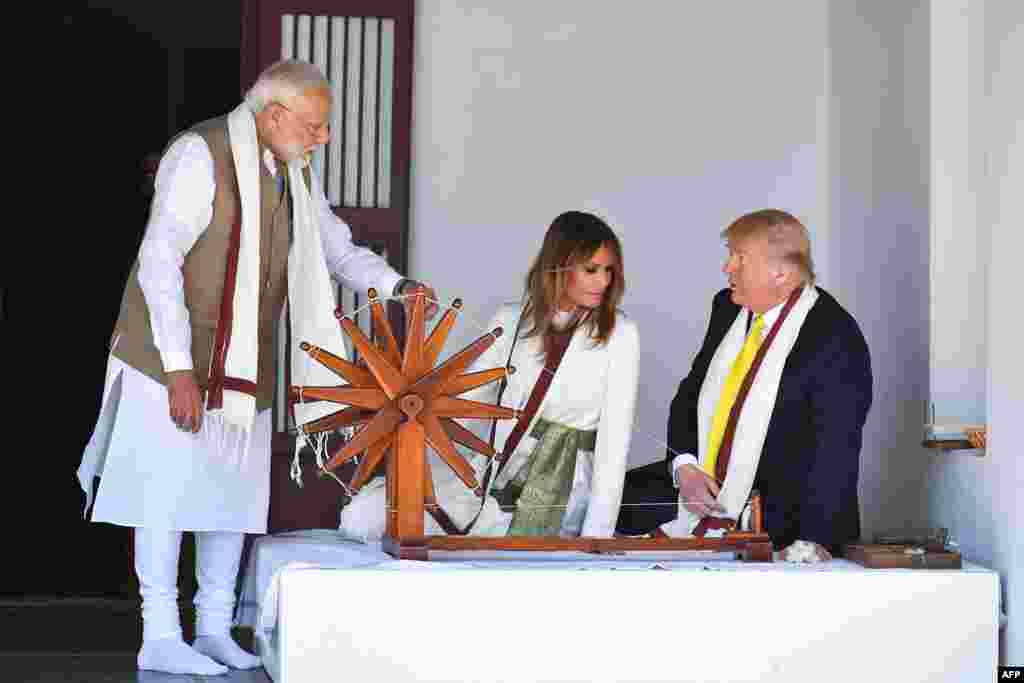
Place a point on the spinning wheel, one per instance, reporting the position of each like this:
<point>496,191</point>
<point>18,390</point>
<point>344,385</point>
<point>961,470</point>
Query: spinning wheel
<point>401,402</point>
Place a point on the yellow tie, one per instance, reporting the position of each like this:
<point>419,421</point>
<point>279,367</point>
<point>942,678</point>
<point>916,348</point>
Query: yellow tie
<point>729,392</point>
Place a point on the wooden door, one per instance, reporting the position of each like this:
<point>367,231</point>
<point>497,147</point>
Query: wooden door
<point>365,49</point>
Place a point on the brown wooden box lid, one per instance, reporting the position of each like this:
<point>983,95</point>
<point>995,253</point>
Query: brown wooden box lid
<point>877,556</point>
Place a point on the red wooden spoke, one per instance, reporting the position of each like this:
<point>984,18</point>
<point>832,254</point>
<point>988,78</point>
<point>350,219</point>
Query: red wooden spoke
<point>369,463</point>
<point>376,429</point>
<point>352,373</point>
<point>360,397</point>
<point>388,376</point>
<point>433,383</point>
<point>429,496</point>
<point>439,441</point>
<point>382,328</point>
<point>412,360</point>
<point>445,406</point>
<point>460,384</point>
<point>336,420</point>
<point>467,438</point>
<point>434,344</point>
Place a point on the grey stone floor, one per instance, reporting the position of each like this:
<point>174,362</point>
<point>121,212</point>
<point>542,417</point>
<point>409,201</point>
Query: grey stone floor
<point>87,640</point>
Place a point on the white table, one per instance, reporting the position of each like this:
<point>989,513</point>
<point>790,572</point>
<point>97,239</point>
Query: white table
<point>568,617</point>
<point>269,554</point>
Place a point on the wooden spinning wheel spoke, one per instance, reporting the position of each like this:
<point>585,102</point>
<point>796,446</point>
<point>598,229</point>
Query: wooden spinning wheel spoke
<point>388,377</point>
<point>429,497</point>
<point>355,375</point>
<point>374,454</point>
<point>434,344</point>
<point>380,427</point>
<point>336,420</point>
<point>412,359</point>
<point>461,435</point>
<point>388,344</point>
<point>463,383</point>
<point>433,507</point>
<point>435,381</point>
<point>358,397</point>
<point>446,406</point>
<point>438,439</point>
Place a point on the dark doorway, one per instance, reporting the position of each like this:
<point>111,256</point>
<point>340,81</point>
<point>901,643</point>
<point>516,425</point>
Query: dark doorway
<point>132,74</point>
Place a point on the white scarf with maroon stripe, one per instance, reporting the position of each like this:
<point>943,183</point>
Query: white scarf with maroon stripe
<point>310,295</point>
<point>756,413</point>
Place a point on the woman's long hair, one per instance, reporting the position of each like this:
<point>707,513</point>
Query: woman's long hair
<point>572,239</point>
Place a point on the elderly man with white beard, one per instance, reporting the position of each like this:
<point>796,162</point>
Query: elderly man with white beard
<point>238,222</point>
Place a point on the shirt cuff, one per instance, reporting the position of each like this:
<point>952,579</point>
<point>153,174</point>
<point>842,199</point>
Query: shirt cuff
<point>398,285</point>
<point>679,461</point>
<point>176,360</point>
<point>388,283</point>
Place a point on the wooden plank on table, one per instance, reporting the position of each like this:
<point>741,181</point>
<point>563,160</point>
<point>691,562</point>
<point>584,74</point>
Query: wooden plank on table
<point>875,556</point>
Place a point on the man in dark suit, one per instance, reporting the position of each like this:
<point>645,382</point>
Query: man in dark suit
<point>795,436</point>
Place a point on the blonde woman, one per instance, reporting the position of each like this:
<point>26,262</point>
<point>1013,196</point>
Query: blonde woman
<point>564,468</point>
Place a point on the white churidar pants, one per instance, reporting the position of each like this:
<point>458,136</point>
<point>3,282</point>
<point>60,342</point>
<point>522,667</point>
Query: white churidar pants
<point>156,564</point>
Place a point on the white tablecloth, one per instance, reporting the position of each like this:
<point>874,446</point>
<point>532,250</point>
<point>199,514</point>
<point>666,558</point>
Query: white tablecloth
<point>575,617</point>
<point>270,554</point>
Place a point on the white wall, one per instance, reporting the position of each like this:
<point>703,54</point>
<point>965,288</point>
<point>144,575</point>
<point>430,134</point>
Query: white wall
<point>980,499</point>
<point>878,247</point>
<point>671,119</point>
<point>960,241</point>
<point>668,119</point>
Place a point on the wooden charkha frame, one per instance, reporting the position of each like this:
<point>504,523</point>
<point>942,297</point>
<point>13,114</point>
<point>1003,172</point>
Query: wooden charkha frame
<point>400,401</point>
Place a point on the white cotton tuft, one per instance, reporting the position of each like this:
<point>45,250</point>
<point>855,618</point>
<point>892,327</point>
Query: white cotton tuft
<point>801,551</point>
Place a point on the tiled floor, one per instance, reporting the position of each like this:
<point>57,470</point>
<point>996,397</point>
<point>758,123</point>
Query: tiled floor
<point>86,640</point>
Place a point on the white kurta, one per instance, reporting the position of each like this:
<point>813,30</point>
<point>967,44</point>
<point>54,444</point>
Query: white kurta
<point>156,476</point>
<point>594,389</point>
<point>152,474</point>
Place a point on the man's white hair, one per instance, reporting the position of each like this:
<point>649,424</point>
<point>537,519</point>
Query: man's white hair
<point>284,81</point>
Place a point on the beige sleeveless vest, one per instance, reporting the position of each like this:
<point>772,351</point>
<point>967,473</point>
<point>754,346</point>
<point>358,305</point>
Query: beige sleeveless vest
<point>204,270</point>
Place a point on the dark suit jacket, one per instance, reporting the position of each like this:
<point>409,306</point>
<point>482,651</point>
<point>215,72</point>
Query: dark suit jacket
<point>808,470</point>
